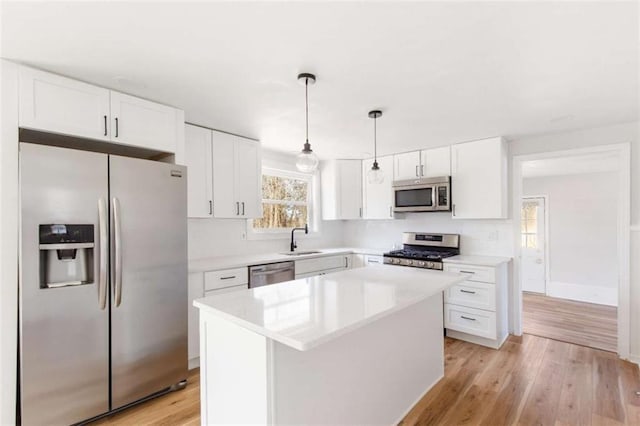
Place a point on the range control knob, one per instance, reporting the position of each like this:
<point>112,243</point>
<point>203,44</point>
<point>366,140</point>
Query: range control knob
<point>421,264</point>
<point>410,262</point>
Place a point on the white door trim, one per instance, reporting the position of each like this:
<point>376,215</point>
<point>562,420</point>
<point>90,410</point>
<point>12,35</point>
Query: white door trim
<point>546,236</point>
<point>624,236</point>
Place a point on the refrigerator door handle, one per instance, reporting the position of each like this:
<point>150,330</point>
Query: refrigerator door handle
<point>104,253</point>
<point>117,248</point>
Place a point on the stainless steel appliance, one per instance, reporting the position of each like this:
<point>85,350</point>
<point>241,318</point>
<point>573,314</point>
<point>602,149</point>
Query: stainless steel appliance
<point>103,282</point>
<point>422,195</point>
<point>271,273</point>
<point>423,250</point>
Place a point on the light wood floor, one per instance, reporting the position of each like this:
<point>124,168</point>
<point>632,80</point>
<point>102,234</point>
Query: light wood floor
<point>581,323</point>
<point>531,380</point>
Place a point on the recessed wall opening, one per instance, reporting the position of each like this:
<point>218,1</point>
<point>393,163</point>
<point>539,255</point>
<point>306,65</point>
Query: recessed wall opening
<point>571,211</point>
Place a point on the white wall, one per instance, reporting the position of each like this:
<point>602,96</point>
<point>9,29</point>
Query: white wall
<point>583,220</point>
<point>222,237</point>
<point>483,237</point>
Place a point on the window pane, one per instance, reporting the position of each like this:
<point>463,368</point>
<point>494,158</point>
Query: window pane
<point>532,241</point>
<point>281,216</point>
<point>285,189</point>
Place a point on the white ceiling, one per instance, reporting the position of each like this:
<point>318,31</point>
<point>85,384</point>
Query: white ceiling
<point>572,165</point>
<point>441,72</point>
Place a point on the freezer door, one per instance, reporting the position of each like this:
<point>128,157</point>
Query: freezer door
<point>149,277</point>
<point>64,314</point>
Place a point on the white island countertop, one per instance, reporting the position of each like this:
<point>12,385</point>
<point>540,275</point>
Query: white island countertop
<point>307,312</point>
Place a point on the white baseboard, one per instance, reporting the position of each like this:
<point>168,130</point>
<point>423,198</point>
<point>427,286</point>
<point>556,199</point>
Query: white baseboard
<point>194,363</point>
<point>583,293</point>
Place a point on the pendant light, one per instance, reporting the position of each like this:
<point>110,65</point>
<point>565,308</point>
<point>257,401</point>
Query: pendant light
<point>307,161</point>
<point>375,175</point>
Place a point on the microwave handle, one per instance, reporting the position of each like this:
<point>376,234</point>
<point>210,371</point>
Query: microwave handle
<point>434,200</point>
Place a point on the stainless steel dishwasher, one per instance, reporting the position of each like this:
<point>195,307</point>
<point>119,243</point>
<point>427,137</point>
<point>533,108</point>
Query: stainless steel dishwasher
<point>271,273</point>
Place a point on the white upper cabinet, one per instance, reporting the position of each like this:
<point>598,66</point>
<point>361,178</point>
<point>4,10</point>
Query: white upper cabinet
<point>341,186</point>
<point>435,162</point>
<point>141,123</point>
<point>237,174</point>
<point>58,104</point>
<point>199,171</point>
<point>479,179</point>
<point>378,198</point>
<point>248,179</point>
<point>406,165</point>
<point>427,163</point>
<point>51,103</point>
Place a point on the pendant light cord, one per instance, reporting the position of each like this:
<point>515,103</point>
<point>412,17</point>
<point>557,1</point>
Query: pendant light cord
<point>306,106</point>
<point>375,139</point>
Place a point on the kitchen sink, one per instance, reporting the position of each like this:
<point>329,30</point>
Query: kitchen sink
<point>300,253</point>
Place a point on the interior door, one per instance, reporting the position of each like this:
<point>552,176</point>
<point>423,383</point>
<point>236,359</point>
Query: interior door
<point>149,277</point>
<point>64,328</point>
<point>533,245</point>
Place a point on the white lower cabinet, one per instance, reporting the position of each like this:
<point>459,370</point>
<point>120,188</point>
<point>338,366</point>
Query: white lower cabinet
<point>476,310</point>
<point>362,260</point>
<point>322,265</point>
<point>203,284</point>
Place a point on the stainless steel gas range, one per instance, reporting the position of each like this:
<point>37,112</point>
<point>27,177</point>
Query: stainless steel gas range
<point>423,250</point>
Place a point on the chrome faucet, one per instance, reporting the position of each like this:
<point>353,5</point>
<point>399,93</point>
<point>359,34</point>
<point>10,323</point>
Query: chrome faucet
<point>293,243</point>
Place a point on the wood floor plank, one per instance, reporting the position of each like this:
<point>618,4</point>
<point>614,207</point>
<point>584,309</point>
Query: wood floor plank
<point>542,403</point>
<point>585,324</point>
<point>530,380</point>
<point>608,400</point>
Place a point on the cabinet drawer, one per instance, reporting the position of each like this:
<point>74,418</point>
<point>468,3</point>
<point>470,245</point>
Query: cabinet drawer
<point>371,259</point>
<point>481,274</point>
<point>468,320</point>
<point>473,295</point>
<point>225,278</point>
<point>225,290</point>
<point>322,264</point>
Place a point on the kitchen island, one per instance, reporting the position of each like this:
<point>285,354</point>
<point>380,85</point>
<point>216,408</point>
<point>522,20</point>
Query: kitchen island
<point>355,347</point>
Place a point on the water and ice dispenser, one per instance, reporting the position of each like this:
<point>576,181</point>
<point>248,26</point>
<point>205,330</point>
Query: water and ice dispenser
<point>66,255</point>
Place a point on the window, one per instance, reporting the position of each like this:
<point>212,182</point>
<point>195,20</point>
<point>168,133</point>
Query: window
<point>286,201</point>
<point>529,227</point>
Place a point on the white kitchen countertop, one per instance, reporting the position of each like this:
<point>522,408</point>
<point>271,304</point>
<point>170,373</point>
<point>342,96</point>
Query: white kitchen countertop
<point>307,312</point>
<point>240,261</point>
<point>492,261</point>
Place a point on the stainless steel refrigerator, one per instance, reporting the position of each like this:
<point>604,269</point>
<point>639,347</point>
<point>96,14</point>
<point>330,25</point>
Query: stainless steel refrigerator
<point>103,282</point>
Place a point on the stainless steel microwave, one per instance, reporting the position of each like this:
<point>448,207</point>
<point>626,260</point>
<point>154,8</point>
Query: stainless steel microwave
<point>422,195</point>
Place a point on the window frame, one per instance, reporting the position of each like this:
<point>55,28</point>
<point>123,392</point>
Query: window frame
<point>311,203</point>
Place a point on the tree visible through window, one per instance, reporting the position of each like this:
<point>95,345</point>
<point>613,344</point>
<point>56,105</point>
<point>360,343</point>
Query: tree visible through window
<point>285,201</point>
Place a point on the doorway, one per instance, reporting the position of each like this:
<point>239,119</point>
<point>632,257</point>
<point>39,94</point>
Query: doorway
<point>571,268</point>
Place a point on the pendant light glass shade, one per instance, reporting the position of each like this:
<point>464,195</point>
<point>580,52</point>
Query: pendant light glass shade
<point>375,176</point>
<point>307,161</point>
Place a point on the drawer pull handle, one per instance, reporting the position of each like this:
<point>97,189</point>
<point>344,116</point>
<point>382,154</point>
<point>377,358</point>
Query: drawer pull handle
<point>228,278</point>
<point>467,272</point>
<point>467,291</point>
<point>467,318</point>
